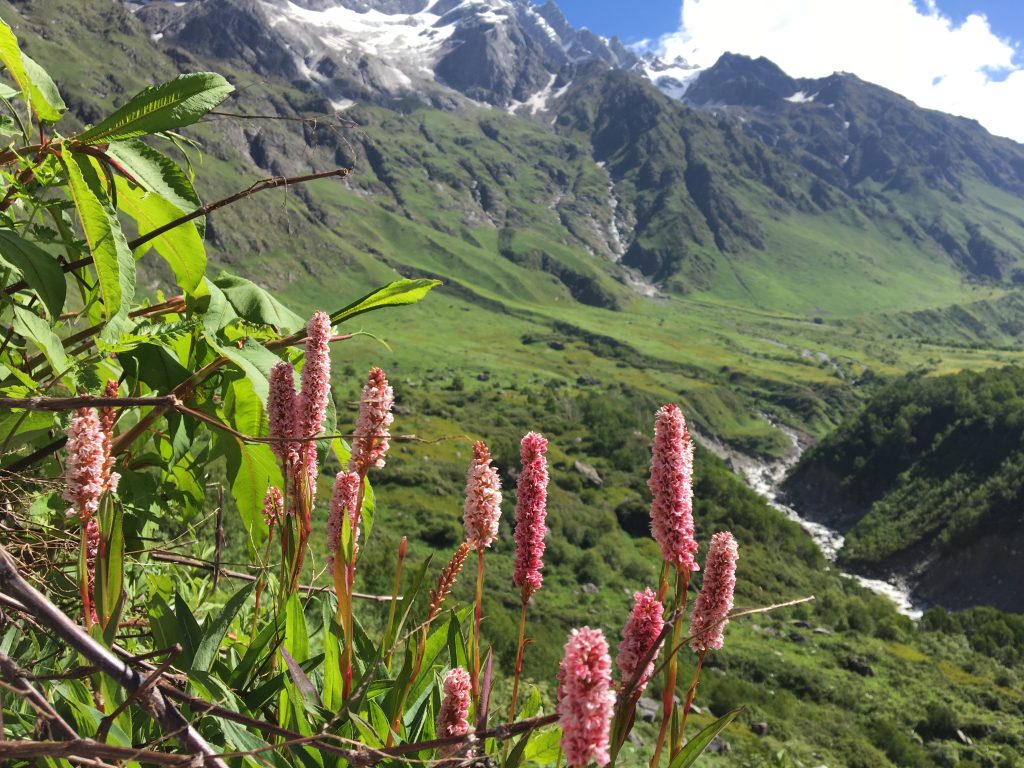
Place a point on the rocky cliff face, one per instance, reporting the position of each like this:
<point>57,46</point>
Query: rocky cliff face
<point>498,52</point>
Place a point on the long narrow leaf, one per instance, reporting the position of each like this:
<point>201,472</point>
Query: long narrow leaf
<point>391,295</point>
<point>39,269</point>
<point>37,87</point>
<point>206,653</point>
<point>181,247</point>
<point>173,104</point>
<point>112,258</point>
<point>695,747</point>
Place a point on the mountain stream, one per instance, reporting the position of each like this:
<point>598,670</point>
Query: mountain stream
<point>766,478</point>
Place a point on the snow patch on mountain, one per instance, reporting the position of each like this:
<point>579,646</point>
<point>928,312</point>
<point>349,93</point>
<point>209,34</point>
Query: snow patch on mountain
<point>673,78</point>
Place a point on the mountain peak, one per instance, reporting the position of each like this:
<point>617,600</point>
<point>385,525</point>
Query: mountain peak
<point>499,52</point>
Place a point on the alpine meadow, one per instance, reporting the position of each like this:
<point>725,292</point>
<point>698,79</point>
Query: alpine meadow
<point>437,382</point>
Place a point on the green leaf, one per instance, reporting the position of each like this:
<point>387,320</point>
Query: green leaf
<point>39,90</point>
<point>34,328</point>
<point>544,748</point>
<point>112,258</point>
<point>173,104</point>
<point>333,683</point>
<point>154,366</point>
<point>157,173</point>
<point>181,247</point>
<point>256,305</point>
<point>212,304</point>
<point>391,295</point>
<point>306,689</point>
<point>39,269</point>
<point>206,653</point>
<point>254,360</point>
<point>695,747</point>
<point>251,469</point>
<point>109,589</point>
<point>191,632</point>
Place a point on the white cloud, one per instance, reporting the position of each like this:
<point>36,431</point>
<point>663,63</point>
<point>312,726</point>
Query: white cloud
<point>964,69</point>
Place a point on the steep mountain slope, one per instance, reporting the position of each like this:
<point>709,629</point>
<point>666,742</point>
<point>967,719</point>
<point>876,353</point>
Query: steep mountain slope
<point>928,482</point>
<point>603,222</point>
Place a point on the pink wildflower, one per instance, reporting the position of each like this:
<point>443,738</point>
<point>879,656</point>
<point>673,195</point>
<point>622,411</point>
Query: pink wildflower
<point>585,697</point>
<point>531,511</point>
<point>641,632</point>
<point>671,484</point>
<point>316,376</point>
<point>483,500</point>
<point>83,476</point>
<point>282,413</point>
<point>371,436</point>
<point>453,716</point>
<point>343,504</point>
<point>273,506</point>
<point>711,611</point>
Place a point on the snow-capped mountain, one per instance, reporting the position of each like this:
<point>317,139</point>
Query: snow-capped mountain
<point>507,53</point>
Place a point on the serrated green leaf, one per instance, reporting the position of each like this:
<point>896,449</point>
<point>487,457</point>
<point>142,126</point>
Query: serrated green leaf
<point>37,87</point>
<point>218,627</point>
<point>256,305</point>
<point>112,258</point>
<point>157,173</point>
<point>181,247</point>
<point>391,295</point>
<point>37,330</point>
<point>163,107</point>
<point>39,269</point>
<point>695,747</point>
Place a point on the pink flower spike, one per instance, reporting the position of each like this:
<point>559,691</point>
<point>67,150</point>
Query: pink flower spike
<point>343,504</point>
<point>641,632</point>
<point>316,376</point>
<point>531,511</point>
<point>671,485</point>
<point>273,506</point>
<point>453,716</point>
<point>371,441</point>
<point>483,500</point>
<point>84,480</point>
<point>282,413</point>
<point>107,417</point>
<point>585,698</point>
<point>711,610</point>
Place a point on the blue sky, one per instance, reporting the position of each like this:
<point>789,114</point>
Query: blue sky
<point>959,56</point>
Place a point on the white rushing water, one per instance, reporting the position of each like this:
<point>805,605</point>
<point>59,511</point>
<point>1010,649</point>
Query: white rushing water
<point>767,477</point>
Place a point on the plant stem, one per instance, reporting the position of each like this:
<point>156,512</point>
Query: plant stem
<point>672,667</point>
<point>520,649</point>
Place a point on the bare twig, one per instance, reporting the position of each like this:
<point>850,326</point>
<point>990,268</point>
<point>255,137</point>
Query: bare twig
<point>152,701</point>
<point>191,562</point>
<point>87,748</point>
